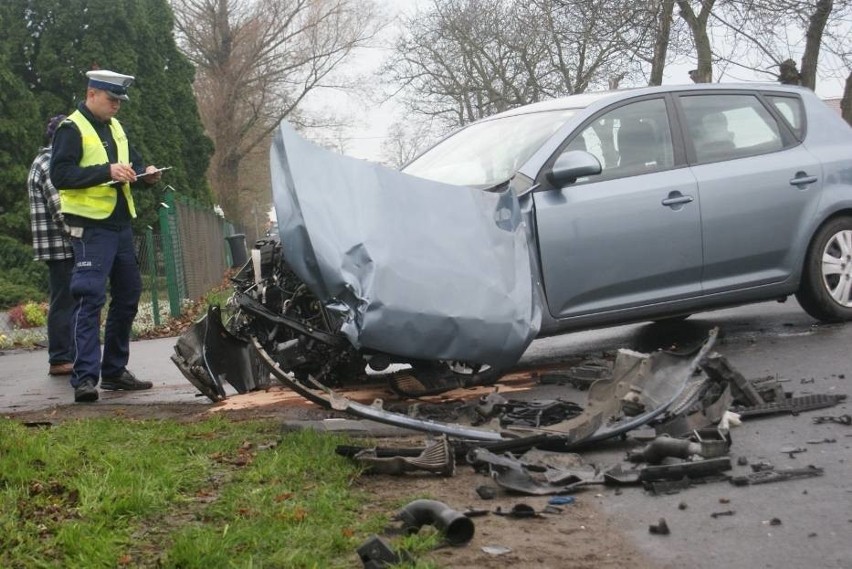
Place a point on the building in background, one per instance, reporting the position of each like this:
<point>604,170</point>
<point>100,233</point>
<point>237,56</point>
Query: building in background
<point>834,103</point>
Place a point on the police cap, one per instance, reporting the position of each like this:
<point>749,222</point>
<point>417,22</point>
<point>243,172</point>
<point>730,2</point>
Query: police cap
<point>115,84</point>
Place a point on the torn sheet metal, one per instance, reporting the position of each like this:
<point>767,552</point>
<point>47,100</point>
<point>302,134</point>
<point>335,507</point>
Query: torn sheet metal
<point>711,413</point>
<point>645,384</point>
<point>372,243</point>
<point>516,476</point>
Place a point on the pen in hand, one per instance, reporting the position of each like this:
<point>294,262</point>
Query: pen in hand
<point>139,175</point>
<point>121,173</point>
<point>157,171</point>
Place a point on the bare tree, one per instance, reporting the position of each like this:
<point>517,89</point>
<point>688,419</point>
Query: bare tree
<point>766,37</point>
<point>662,37</point>
<point>406,139</point>
<point>256,61</point>
<point>657,38</point>
<point>813,40</point>
<point>461,60</point>
<point>838,50</point>
<point>593,43</point>
<point>698,25</point>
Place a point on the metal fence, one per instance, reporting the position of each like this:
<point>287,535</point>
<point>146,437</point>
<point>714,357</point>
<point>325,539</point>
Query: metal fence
<point>180,261</point>
<point>194,247</point>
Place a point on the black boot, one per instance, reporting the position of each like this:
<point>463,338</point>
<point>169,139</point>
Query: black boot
<point>125,382</point>
<point>86,392</point>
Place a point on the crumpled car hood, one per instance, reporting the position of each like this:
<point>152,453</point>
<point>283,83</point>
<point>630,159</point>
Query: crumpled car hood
<point>416,268</point>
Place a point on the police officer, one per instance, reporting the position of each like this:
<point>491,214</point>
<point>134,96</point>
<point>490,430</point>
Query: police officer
<point>93,166</point>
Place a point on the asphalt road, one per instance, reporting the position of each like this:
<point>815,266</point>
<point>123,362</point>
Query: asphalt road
<point>815,514</point>
<point>26,386</point>
<point>759,340</point>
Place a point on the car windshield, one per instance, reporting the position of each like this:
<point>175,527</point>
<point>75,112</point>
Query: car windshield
<point>489,152</point>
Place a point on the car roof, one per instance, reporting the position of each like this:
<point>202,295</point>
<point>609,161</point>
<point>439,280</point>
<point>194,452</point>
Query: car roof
<point>584,100</point>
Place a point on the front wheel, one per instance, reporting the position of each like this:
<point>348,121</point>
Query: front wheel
<point>826,289</point>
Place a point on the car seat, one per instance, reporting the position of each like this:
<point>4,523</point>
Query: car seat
<point>714,140</point>
<point>637,144</point>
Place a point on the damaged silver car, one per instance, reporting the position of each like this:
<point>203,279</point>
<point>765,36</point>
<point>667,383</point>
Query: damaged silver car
<point>587,211</point>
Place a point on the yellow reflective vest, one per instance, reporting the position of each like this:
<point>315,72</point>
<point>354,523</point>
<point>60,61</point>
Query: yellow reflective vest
<point>97,202</point>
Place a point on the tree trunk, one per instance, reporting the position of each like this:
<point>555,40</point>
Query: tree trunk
<point>698,26</point>
<point>661,42</point>
<point>846,101</point>
<point>813,37</point>
<point>225,182</point>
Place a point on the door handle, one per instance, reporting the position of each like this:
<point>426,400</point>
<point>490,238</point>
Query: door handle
<point>676,198</point>
<point>802,179</point>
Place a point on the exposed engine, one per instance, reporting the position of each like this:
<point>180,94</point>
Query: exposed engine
<point>274,312</point>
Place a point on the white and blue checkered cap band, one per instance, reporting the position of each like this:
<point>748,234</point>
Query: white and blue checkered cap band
<point>115,84</point>
<point>111,87</point>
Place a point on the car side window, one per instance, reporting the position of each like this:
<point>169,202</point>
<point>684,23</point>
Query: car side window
<point>724,127</point>
<point>792,111</point>
<point>629,140</point>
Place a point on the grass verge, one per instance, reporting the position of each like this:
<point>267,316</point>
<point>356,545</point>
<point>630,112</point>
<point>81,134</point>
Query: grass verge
<point>113,492</point>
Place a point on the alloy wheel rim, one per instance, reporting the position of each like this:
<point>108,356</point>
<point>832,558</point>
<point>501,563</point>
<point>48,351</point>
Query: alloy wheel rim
<point>837,268</point>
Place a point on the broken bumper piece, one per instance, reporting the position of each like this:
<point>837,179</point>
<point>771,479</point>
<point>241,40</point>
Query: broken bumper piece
<point>651,383</point>
<point>641,389</point>
<point>209,356</point>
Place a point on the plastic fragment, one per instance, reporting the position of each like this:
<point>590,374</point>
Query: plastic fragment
<point>660,528</point>
<point>561,500</point>
<point>720,514</point>
<point>496,549</point>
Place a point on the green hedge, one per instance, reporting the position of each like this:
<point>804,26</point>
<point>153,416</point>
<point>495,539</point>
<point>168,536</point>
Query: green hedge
<point>21,278</point>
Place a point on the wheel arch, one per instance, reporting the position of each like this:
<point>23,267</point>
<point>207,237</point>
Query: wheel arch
<point>812,292</point>
<point>842,212</point>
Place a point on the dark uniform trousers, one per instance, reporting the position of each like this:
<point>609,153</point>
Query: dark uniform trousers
<point>103,254</point>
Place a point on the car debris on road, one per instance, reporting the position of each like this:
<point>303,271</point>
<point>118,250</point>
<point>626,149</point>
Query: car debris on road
<point>547,459</point>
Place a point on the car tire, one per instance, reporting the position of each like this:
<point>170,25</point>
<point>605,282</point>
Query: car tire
<point>826,288</point>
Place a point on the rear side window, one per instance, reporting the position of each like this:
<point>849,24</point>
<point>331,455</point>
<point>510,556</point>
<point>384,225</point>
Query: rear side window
<point>792,111</point>
<point>724,127</point>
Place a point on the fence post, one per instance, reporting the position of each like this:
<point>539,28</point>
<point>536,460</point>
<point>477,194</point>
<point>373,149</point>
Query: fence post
<point>168,254</point>
<point>227,230</point>
<point>152,270</point>
<point>176,218</point>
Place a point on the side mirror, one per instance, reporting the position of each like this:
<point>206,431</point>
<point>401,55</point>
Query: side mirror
<point>572,165</point>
